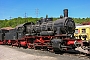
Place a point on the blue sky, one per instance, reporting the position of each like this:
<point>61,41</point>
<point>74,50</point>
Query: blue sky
<point>54,8</point>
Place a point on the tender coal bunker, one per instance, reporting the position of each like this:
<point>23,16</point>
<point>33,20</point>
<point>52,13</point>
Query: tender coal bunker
<point>2,33</point>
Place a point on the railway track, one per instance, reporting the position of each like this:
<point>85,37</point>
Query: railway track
<point>73,55</point>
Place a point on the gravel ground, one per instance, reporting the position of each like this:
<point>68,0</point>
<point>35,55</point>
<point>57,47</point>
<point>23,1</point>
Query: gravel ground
<point>13,53</point>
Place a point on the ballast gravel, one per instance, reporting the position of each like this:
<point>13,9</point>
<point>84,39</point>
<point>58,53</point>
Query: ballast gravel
<point>13,53</point>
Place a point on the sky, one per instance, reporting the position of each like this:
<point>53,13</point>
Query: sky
<point>52,8</point>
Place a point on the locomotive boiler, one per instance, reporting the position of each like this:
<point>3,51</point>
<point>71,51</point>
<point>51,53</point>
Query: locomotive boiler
<point>64,25</point>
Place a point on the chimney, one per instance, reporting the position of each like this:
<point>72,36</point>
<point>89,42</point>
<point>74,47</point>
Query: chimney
<point>65,11</point>
<point>46,16</point>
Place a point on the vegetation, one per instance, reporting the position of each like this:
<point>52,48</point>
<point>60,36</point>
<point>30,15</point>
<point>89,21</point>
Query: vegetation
<point>16,21</point>
<point>81,20</point>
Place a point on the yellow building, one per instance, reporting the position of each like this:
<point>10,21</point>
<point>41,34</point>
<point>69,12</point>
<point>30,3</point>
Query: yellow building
<point>82,32</point>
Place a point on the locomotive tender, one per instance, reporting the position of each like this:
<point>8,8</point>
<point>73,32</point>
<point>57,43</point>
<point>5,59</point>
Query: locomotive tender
<point>45,34</point>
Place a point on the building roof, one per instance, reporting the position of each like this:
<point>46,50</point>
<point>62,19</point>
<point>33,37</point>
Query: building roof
<point>83,26</point>
<point>7,28</point>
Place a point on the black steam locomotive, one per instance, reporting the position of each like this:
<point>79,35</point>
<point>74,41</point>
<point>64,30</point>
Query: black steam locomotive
<point>46,33</point>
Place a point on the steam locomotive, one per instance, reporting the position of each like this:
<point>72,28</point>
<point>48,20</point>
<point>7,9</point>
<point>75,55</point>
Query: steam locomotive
<point>47,34</point>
